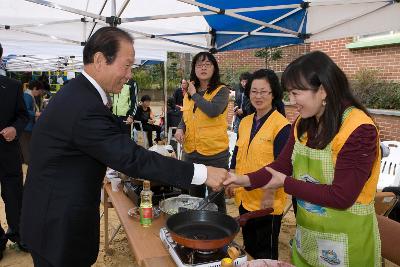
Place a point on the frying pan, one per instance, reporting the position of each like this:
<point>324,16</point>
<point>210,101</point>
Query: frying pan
<point>207,230</point>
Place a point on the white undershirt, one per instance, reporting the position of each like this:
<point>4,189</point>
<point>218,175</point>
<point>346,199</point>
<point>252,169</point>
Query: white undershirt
<point>200,170</point>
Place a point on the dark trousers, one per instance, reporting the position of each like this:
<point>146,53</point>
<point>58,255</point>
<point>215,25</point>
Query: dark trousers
<point>149,128</point>
<point>39,261</point>
<point>126,128</point>
<point>200,190</point>
<point>11,193</point>
<point>3,239</point>
<point>25,140</point>
<point>261,235</point>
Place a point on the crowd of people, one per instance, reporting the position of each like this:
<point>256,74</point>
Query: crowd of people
<point>328,159</point>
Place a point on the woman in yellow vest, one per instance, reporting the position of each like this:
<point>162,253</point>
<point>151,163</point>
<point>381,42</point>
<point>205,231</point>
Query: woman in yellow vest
<point>261,137</point>
<point>330,164</point>
<point>203,129</point>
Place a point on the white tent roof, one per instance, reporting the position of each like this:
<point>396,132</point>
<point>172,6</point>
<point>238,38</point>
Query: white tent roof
<point>178,25</point>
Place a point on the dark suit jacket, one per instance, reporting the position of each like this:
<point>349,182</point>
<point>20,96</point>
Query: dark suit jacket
<point>74,140</point>
<point>178,96</point>
<point>12,113</point>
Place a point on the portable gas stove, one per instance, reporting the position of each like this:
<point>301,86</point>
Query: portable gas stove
<point>190,257</point>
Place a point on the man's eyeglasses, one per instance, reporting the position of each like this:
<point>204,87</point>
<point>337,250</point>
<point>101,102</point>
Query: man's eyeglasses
<point>261,93</point>
<point>206,65</point>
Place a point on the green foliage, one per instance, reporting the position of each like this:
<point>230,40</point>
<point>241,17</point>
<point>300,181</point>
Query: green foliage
<point>375,93</point>
<point>269,54</point>
<point>230,76</point>
<point>152,76</point>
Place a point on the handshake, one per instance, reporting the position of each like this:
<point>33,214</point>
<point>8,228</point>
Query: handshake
<point>218,179</point>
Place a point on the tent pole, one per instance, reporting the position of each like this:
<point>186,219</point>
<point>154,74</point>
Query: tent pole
<point>113,8</point>
<point>165,97</point>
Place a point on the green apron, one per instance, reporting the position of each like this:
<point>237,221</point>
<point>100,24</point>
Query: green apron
<point>327,236</point>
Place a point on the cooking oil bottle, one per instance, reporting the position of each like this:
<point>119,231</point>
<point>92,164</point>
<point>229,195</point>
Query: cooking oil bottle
<point>146,207</point>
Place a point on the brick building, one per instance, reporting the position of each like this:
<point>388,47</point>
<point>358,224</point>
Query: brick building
<point>383,58</point>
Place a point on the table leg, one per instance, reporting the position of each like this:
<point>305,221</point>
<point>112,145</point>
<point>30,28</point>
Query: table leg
<point>106,206</point>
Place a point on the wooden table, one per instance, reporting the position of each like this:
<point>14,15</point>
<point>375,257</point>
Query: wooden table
<point>145,243</point>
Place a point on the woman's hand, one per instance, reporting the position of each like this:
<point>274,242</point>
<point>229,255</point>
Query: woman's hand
<point>239,180</point>
<point>277,180</point>
<point>179,136</point>
<point>191,89</point>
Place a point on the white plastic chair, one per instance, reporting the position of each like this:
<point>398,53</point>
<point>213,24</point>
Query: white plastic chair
<point>232,143</point>
<point>394,147</point>
<point>170,136</point>
<point>390,166</point>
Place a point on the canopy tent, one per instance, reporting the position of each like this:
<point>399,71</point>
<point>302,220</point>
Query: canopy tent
<point>39,56</point>
<point>191,26</point>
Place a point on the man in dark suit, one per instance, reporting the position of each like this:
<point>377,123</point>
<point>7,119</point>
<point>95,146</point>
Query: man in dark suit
<point>13,119</point>
<point>74,140</point>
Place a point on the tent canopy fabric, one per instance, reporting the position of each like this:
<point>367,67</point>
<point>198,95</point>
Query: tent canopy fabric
<point>192,26</point>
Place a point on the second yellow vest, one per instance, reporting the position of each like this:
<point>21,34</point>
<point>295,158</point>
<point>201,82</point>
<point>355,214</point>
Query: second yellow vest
<point>255,155</point>
<point>208,136</point>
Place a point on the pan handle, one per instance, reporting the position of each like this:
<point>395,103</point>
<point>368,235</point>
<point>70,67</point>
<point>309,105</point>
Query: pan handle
<point>242,219</point>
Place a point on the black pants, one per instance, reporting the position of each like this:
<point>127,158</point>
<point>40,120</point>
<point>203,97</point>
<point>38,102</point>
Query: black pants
<point>39,261</point>
<point>261,235</point>
<point>149,128</point>
<point>25,140</point>
<point>11,193</point>
<point>200,190</point>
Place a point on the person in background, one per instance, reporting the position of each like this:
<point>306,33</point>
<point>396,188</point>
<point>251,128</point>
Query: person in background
<point>253,151</point>
<point>13,119</point>
<point>124,105</point>
<point>74,141</point>
<point>146,116</point>
<point>34,113</point>
<point>203,129</point>
<point>242,106</point>
<point>45,93</point>
<point>180,93</point>
<point>330,164</point>
<point>174,114</point>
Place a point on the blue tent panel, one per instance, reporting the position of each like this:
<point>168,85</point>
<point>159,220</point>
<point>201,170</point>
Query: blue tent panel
<point>228,23</point>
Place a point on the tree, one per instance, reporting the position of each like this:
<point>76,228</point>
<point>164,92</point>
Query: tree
<point>269,54</point>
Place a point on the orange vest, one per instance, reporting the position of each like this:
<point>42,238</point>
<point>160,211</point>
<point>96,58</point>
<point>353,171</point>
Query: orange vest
<point>208,136</point>
<point>255,155</point>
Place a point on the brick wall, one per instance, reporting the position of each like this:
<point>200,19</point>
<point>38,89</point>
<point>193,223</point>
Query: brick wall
<point>384,59</point>
<point>245,59</point>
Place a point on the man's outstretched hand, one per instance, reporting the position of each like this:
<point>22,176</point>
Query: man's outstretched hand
<point>215,177</point>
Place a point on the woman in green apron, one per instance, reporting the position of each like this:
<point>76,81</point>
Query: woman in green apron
<point>330,164</point>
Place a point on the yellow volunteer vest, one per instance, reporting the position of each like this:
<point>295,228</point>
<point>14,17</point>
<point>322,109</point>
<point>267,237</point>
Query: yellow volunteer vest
<point>122,101</point>
<point>355,118</point>
<point>255,155</point>
<point>208,136</point>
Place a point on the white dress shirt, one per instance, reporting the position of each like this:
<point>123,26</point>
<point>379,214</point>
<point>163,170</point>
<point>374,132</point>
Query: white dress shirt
<point>200,170</point>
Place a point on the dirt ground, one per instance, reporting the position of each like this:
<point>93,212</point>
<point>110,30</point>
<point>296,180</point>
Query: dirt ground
<point>121,255</point>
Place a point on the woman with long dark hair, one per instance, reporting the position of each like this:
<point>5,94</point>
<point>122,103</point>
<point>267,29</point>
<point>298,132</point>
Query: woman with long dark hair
<point>261,137</point>
<point>330,164</point>
<point>203,129</point>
